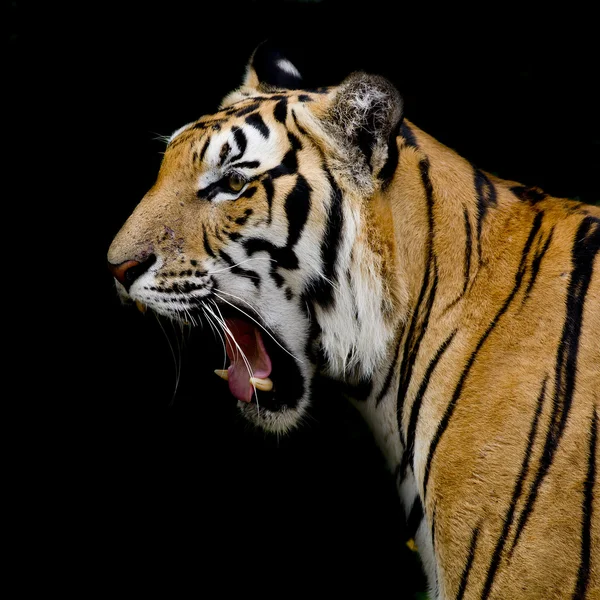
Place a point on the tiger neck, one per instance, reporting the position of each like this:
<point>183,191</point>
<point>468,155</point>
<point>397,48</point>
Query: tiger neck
<point>431,231</point>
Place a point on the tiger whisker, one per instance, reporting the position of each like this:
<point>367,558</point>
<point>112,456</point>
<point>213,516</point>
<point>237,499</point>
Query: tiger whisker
<point>220,319</point>
<point>238,264</point>
<point>216,331</point>
<point>243,355</point>
<point>176,363</point>
<point>158,137</point>
<point>252,318</point>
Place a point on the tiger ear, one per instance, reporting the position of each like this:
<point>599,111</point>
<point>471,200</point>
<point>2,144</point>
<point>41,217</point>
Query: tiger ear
<point>365,114</point>
<point>270,70</point>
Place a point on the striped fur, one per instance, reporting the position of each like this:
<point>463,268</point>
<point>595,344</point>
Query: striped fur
<point>460,313</point>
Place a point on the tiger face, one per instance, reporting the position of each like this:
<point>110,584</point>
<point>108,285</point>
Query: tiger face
<point>243,230</point>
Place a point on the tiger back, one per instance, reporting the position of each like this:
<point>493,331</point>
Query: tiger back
<point>320,233</point>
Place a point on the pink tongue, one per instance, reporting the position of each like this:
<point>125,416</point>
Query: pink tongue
<point>251,346</point>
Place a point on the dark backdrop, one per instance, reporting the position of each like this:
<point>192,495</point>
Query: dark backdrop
<point>135,455</point>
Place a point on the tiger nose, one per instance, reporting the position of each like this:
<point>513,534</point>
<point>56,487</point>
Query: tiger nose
<point>128,271</point>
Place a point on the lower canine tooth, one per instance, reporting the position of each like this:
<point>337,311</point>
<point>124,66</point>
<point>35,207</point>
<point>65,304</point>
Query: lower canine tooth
<point>222,373</point>
<point>141,306</point>
<point>264,385</point>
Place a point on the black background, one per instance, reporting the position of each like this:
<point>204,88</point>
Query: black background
<point>138,474</point>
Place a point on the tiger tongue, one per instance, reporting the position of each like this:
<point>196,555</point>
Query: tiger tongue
<point>251,345</point>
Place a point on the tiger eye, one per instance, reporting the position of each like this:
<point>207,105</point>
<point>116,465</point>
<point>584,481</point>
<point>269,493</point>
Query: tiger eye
<point>235,182</point>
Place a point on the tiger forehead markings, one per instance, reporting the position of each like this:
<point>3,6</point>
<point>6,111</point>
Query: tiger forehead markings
<point>318,232</point>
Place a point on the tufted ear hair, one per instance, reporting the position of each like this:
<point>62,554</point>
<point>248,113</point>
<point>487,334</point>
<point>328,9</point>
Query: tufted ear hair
<point>365,115</point>
<point>269,70</point>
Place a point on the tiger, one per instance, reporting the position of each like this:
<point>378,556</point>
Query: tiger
<point>322,234</point>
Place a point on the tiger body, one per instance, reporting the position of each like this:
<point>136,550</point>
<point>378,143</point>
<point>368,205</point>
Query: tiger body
<point>460,313</point>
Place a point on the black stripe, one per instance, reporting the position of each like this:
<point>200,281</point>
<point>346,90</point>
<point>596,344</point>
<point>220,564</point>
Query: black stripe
<point>392,367</point>
<point>585,248</point>
<point>283,257</point>
<point>258,123</point>
<point>242,220</point>
<point>537,222</point>
<point>409,137</point>
<point>269,192</point>
<point>411,350</point>
<point>414,518</point>
<point>297,207</point>
<point>247,164</point>
<point>240,112</point>
<point>247,193</point>
<point>413,338</point>
<point>467,261</point>
<point>298,126</point>
<point>583,575</point>
<point>416,407</point>
<point>323,294</point>
<point>278,96</point>
<point>535,266</point>
<point>207,247</point>
<point>288,165</point>
<point>280,111</point>
<point>241,141</point>
<point>464,579</point>
<point>294,141</point>
<point>204,148</point>
<point>389,168</point>
<point>468,250</point>
<point>211,190</point>
<point>224,153</point>
<point>531,195</point>
<point>508,519</point>
<point>485,192</point>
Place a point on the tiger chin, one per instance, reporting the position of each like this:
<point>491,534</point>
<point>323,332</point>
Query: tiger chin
<point>319,232</point>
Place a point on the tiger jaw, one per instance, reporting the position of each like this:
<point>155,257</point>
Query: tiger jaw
<point>263,384</point>
<point>275,402</point>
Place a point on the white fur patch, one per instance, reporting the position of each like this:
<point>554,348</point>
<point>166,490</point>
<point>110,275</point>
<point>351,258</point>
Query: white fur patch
<point>285,65</point>
<point>355,335</point>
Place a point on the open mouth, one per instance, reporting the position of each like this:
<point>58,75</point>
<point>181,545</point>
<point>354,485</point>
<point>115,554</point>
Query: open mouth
<point>249,362</point>
<point>261,369</point>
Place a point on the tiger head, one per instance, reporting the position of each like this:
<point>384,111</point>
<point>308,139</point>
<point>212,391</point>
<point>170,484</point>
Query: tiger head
<point>264,221</point>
